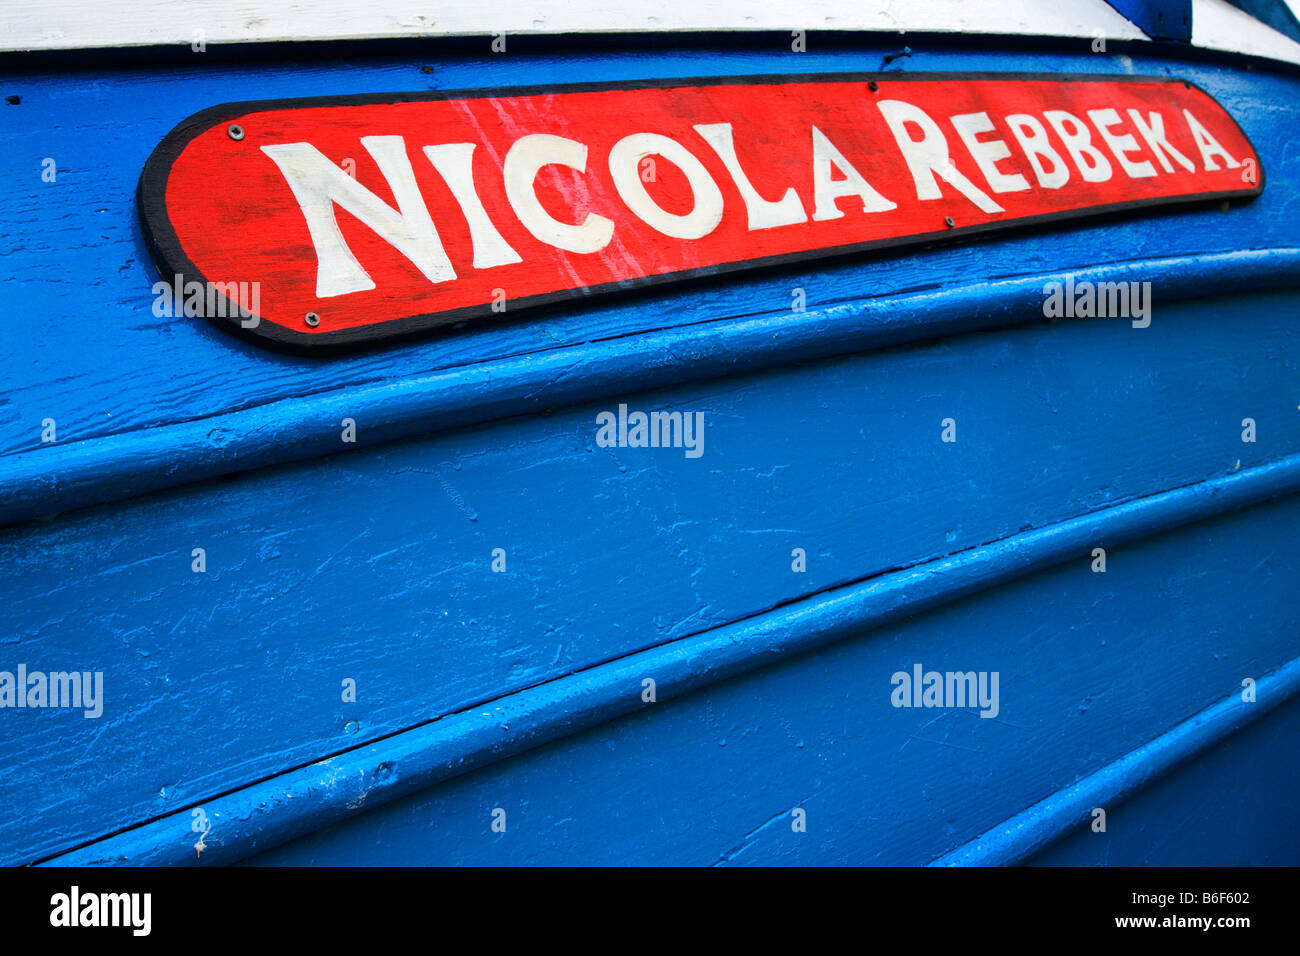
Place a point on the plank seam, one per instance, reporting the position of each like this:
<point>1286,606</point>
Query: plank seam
<point>259,816</point>
<point>62,477</point>
<point>1034,829</point>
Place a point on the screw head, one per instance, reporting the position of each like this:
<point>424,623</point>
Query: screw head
<point>947,221</point>
<point>312,319</point>
<point>871,85</point>
<point>235,131</point>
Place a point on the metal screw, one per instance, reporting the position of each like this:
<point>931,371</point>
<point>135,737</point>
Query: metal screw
<point>947,221</point>
<point>313,319</point>
<point>236,131</point>
<point>871,85</point>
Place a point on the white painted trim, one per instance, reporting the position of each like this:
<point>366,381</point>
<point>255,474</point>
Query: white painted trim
<point>90,24</point>
<point>1218,25</point>
<point>81,24</point>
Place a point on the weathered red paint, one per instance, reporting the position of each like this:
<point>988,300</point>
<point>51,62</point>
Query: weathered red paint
<point>220,208</point>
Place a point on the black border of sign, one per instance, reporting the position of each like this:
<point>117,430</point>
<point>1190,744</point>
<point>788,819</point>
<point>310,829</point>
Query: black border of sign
<point>171,259</point>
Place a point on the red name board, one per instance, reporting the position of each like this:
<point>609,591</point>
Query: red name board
<point>356,218</point>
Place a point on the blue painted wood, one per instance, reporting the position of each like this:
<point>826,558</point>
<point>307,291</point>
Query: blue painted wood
<point>292,804</point>
<point>393,545</point>
<point>79,474</point>
<point>1074,809</point>
<point>1232,806</point>
<point>823,433</point>
<point>712,778</point>
<point>105,365</point>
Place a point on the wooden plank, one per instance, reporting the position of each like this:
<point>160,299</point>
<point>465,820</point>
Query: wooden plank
<point>1080,687</point>
<point>1241,791</point>
<point>1073,809</point>
<point>29,25</point>
<point>99,130</point>
<point>377,565</point>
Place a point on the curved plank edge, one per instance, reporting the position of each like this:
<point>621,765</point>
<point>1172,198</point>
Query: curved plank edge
<point>63,477</point>
<point>1039,826</point>
<point>278,809</point>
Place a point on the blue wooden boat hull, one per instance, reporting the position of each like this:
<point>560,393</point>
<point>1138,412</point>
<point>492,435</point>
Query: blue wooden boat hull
<point>519,697</point>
